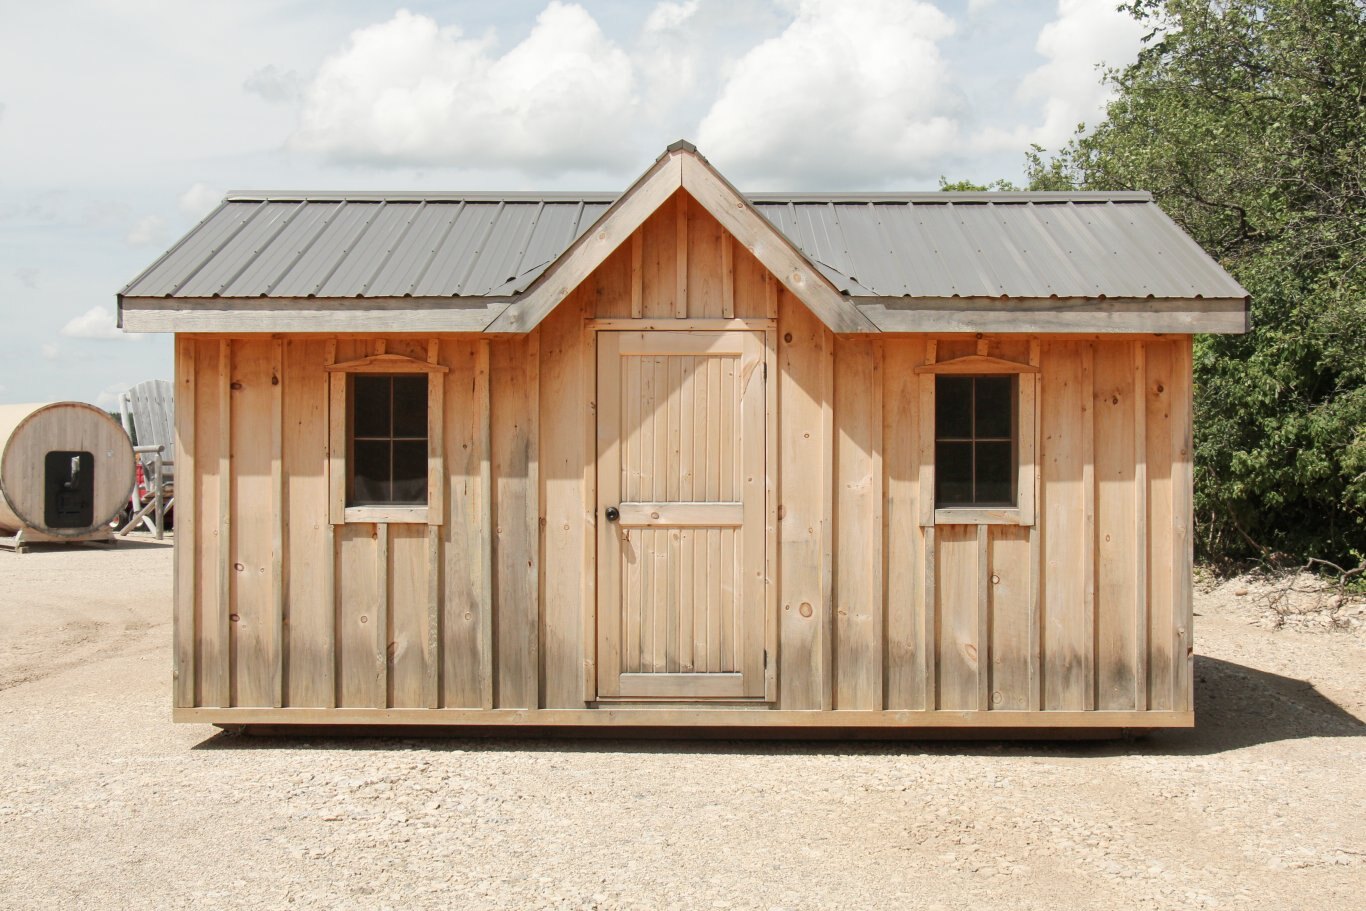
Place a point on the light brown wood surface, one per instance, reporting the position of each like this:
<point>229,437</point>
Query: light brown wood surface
<point>873,606</point>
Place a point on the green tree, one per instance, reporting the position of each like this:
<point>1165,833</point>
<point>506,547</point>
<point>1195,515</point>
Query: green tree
<point>1245,119</point>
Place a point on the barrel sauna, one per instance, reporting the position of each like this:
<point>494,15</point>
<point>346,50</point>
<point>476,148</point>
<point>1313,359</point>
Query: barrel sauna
<point>66,469</point>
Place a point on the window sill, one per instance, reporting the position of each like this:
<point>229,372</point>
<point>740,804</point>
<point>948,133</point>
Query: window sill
<point>391,515</point>
<point>996,515</point>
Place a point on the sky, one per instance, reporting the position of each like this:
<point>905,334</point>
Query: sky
<point>124,122</point>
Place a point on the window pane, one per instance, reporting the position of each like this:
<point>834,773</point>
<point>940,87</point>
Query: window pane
<point>410,472</point>
<point>370,472</point>
<point>995,394</point>
<point>995,471</point>
<point>953,474</point>
<point>952,407</point>
<point>370,409</point>
<point>410,406</point>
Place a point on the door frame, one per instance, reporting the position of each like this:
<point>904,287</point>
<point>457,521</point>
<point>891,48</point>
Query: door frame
<point>592,605</point>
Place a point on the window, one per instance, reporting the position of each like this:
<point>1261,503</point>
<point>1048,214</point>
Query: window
<point>385,434</point>
<point>388,440</point>
<point>978,423</point>
<point>975,441</point>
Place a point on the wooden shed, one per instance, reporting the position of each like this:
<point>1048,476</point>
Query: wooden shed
<point>684,457</point>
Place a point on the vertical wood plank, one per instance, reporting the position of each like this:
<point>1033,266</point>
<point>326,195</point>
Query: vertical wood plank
<point>187,572</point>
<point>901,435</point>
<point>329,579</point>
<point>1065,411</point>
<point>279,524</point>
<point>1088,500</point>
<point>308,581</point>
<point>771,620</point>
<point>431,646</point>
<point>1183,542</point>
<point>1162,636</point>
<point>383,626</point>
<point>827,515</point>
<point>562,497</point>
<point>254,526</point>
<point>223,621</point>
<point>681,245</point>
<point>1116,567</point>
<point>802,452</point>
<point>727,275</point>
<point>927,438</point>
<point>360,616</point>
<point>515,404</point>
<point>858,528</point>
<point>983,619</point>
<point>637,272</point>
<point>588,397</point>
<point>409,615</point>
<point>958,661</point>
<point>1013,638</point>
<point>1140,491</point>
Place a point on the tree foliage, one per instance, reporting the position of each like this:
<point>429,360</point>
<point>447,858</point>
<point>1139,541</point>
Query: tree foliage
<point>1245,119</point>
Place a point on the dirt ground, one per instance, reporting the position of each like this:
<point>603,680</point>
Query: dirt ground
<point>105,804</point>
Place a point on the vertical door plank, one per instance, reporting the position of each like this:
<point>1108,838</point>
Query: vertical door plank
<point>751,597</point>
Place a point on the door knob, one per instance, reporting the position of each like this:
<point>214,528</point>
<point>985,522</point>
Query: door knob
<point>613,514</point>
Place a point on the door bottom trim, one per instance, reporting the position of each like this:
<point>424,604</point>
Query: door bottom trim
<point>682,686</point>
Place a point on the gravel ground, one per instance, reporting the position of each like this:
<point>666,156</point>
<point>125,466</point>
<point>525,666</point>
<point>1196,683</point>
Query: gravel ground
<point>105,804</point>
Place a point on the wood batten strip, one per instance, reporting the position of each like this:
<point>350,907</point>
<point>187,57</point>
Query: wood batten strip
<point>331,415</point>
<point>485,522</point>
<point>187,571</point>
<point>828,517</point>
<point>431,651</point>
<point>224,619</point>
<point>770,493</point>
<point>983,618</point>
<point>278,558</point>
<point>1141,560</point>
<point>588,599</point>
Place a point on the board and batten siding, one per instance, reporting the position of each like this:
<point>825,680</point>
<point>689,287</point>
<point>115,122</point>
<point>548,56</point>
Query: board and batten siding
<point>873,606</point>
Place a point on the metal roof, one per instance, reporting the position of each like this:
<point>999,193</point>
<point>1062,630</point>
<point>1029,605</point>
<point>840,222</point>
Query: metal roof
<point>495,245</point>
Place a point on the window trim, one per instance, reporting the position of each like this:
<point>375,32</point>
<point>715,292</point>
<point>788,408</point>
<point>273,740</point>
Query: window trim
<point>1026,391</point>
<point>338,468</point>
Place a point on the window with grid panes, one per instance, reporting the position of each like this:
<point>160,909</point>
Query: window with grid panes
<point>388,440</point>
<point>976,446</point>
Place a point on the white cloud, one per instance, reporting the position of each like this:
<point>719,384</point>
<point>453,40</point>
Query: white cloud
<point>199,200</point>
<point>852,91</point>
<point>96,323</point>
<point>50,351</point>
<point>275,85</point>
<point>147,230</point>
<point>411,91</point>
<point>1084,38</point>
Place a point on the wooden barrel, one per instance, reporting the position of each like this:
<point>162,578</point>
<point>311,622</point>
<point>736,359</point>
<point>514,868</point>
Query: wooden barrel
<point>66,469</point>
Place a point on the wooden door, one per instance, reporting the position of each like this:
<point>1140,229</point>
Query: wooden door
<point>681,582</point>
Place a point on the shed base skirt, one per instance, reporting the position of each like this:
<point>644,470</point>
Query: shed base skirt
<point>644,720</point>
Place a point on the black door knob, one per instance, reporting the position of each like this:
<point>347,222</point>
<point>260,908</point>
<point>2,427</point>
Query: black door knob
<point>613,514</point>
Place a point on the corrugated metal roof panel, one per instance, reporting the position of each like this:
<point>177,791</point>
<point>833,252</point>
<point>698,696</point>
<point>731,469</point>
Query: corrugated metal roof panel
<point>1021,245</point>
